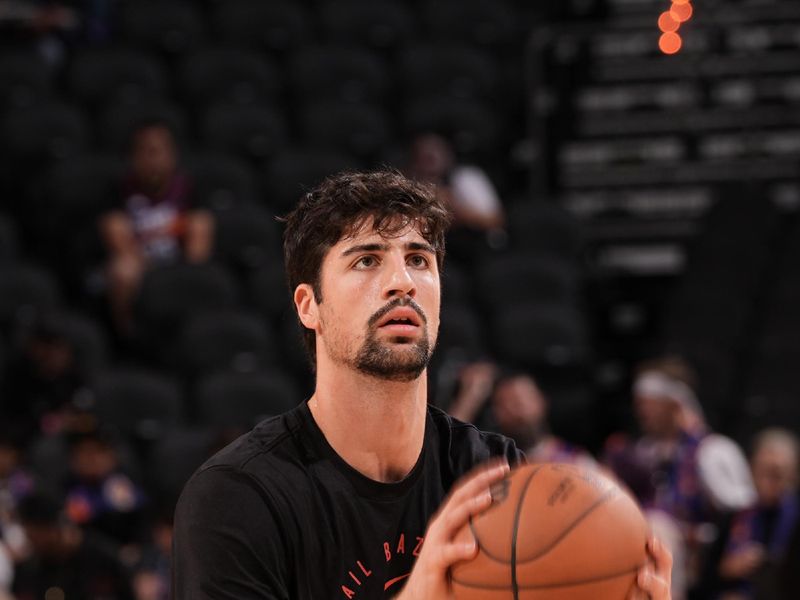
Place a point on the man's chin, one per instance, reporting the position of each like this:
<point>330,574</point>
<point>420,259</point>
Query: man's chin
<point>398,360</point>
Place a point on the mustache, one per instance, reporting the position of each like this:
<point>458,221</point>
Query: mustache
<point>403,301</point>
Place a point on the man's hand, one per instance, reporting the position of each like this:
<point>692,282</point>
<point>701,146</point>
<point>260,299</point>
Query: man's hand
<point>653,580</point>
<point>430,578</point>
<point>476,381</point>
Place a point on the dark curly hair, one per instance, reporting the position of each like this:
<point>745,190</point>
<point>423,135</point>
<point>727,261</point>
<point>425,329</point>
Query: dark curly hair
<point>340,206</point>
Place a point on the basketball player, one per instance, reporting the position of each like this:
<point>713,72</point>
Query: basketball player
<point>358,492</point>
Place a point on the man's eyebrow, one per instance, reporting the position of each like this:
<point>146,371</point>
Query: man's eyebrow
<point>365,248</point>
<point>420,246</point>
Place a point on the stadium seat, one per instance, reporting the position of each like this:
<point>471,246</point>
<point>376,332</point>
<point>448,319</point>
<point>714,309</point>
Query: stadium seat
<point>177,455</point>
<point>26,291</point>
<point>243,399</point>
<point>530,336</point>
<point>471,126</point>
<point>220,181</point>
<point>277,26</point>
<point>9,240</point>
<point>269,292</point>
<point>493,24</point>
<point>171,294</point>
<point>461,331</point>
<point>544,228</point>
<point>171,26</point>
<point>378,24</point>
<point>253,132</point>
<point>510,279</point>
<point>43,132</point>
<point>360,129</point>
<point>338,73</point>
<point>452,70</point>
<point>456,284</point>
<point>84,333</point>
<point>99,77</point>
<point>138,402</point>
<point>24,79</point>
<point>116,122</point>
<point>297,171</point>
<point>77,190</point>
<point>246,238</point>
<point>228,75</point>
<point>227,340</point>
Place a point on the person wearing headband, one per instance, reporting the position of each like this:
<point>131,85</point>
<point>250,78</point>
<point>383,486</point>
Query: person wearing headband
<point>660,466</point>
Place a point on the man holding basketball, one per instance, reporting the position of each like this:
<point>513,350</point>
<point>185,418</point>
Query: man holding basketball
<point>358,492</point>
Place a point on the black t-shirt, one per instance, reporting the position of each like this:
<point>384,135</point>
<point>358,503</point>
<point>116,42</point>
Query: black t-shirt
<point>279,515</point>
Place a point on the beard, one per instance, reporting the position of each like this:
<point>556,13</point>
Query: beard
<point>378,359</point>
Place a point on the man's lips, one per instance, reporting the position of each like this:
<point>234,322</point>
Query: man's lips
<point>402,318</point>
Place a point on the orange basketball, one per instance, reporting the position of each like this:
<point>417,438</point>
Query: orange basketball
<point>554,532</point>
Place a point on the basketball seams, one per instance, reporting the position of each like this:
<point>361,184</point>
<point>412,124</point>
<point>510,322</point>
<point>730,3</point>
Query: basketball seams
<point>608,495</point>
<point>517,516</point>
<point>478,539</point>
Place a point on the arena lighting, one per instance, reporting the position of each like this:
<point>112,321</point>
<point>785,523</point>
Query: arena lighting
<point>670,42</point>
<point>669,22</point>
<point>681,12</point>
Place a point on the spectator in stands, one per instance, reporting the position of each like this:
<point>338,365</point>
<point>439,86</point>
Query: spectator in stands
<point>43,380</point>
<point>478,215</point>
<point>156,222</point>
<point>151,579</point>
<point>16,483</point>
<point>65,561</point>
<point>100,495</point>
<point>661,465</point>
<point>38,23</point>
<point>759,537</point>
<point>518,409</point>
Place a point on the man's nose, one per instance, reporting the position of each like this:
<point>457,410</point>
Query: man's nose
<point>399,281</point>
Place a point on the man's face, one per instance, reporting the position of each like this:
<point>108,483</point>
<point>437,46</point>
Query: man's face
<point>154,156</point>
<point>774,473</point>
<point>519,406</point>
<point>656,416</point>
<point>380,304</point>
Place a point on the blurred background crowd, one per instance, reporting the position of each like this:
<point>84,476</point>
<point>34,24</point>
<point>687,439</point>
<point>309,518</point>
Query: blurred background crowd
<point>620,289</point>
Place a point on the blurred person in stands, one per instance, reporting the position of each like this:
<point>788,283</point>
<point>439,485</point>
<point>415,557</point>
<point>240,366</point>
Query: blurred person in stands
<point>156,222</point>
<point>517,408</point>
<point>684,476</point>
<point>151,580</point>
<point>37,24</point>
<point>478,215</point>
<point>99,495</point>
<point>760,536</point>
<point>45,376</point>
<point>65,561</point>
<point>16,483</point>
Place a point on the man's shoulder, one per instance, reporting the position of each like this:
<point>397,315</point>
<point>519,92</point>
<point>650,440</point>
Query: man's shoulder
<point>271,453</point>
<point>467,445</point>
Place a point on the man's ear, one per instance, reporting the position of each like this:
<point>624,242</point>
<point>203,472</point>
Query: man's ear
<point>306,306</point>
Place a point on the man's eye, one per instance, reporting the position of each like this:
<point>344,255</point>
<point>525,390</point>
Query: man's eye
<point>418,261</point>
<point>366,261</point>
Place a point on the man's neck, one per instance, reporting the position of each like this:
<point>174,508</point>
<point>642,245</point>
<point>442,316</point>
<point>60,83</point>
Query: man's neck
<point>376,426</point>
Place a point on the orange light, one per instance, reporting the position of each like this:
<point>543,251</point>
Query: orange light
<point>681,12</point>
<point>666,22</point>
<point>670,42</point>
<point>680,1</point>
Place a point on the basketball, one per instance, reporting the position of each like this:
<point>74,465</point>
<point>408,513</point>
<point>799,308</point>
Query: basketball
<point>553,532</point>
